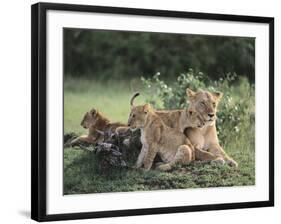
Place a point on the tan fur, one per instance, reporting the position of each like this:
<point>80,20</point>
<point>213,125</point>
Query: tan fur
<point>96,123</point>
<point>157,138</point>
<point>178,119</point>
<point>204,103</point>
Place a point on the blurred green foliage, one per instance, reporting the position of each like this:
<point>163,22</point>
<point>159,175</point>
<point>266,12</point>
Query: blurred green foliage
<point>122,54</point>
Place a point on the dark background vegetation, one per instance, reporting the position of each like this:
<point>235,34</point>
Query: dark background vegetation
<point>121,54</point>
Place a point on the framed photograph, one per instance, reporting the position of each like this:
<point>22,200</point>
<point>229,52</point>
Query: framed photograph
<point>140,111</point>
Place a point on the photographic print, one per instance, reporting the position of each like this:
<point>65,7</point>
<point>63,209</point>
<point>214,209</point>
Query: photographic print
<point>139,111</point>
<point>192,125</point>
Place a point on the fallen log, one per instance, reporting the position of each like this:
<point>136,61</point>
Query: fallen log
<point>116,150</point>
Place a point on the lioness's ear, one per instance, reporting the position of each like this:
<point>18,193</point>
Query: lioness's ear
<point>190,93</point>
<point>217,95</point>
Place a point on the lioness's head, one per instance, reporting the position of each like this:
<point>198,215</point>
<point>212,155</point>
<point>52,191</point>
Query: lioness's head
<point>90,118</point>
<point>204,103</point>
<point>139,114</point>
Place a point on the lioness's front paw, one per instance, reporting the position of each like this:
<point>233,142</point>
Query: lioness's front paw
<point>232,163</point>
<point>218,161</point>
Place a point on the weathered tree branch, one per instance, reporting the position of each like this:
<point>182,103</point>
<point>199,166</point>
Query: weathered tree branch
<point>117,150</point>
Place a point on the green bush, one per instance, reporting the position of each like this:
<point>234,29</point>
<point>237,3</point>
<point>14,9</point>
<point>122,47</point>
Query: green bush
<point>236,109</point>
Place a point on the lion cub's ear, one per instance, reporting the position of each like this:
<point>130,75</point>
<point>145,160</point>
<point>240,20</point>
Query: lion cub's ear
<point>217,95</point>
<point>190,93</point>
<point>146,108</point>
<point>93,112</point>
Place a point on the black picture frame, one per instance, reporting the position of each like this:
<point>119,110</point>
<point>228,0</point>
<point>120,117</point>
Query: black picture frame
<point>38,108</point>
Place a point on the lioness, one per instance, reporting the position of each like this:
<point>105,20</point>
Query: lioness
<point>205,104</point>
<point>157,138</point>
<point>97,124</point>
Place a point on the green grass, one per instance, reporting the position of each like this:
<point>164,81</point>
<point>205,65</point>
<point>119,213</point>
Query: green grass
<point>81,174</point>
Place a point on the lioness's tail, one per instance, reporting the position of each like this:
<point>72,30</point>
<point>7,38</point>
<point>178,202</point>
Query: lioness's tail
<point>133,98</point>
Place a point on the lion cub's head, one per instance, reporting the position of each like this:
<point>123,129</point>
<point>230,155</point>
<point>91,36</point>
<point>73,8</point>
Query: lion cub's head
<point>205,104</point>
<point>90,118</point>
<point>193,120</point>
<point>139,114</point>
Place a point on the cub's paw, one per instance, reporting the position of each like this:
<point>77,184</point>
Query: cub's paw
<point>164,167</point>
<point>137,166</point>
<point>218,161</point>
<point>158,164</point>
<point>67,145</point>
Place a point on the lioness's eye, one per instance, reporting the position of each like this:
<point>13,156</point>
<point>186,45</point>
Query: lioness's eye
<point>133,115</point>
<point>214,104</point>
<point>202,103</point>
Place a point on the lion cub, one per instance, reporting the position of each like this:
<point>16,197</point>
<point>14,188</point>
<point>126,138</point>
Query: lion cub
<point>97,123</point>
<point>157,138</point>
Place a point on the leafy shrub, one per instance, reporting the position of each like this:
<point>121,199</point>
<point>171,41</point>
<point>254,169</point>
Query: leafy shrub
<point>235,111</point>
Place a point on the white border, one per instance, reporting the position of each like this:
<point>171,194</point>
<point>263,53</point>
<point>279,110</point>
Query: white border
<point>57,203</point>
